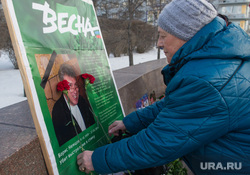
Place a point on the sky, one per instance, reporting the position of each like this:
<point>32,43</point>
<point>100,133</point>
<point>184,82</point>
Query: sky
<point>12,86</point>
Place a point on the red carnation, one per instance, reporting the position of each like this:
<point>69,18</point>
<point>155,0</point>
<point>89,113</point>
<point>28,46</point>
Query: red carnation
<point>90,77</point>
<point>63,85</point>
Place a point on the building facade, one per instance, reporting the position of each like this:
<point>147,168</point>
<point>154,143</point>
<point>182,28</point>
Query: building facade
<point>237,11</point>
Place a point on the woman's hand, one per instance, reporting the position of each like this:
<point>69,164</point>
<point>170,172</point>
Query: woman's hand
<point>115,127</point>
<point>84,161</point>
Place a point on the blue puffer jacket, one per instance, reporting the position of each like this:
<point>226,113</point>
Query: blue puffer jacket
<point>205,116</point>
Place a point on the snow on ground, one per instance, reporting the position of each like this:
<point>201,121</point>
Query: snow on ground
<point>12,85</point>
<point>11,82</point>
<point>121,62</point>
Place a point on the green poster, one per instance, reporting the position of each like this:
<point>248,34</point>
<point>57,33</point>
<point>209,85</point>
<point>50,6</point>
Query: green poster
<point>49,35</point>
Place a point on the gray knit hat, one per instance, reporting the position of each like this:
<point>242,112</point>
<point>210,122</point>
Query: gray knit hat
<point>184,18</point>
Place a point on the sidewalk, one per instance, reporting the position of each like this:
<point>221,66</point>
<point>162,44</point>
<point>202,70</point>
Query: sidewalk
<point>16,128</point>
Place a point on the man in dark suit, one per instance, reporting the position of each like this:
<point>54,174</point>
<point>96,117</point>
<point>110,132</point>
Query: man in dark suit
<point>72,104</point>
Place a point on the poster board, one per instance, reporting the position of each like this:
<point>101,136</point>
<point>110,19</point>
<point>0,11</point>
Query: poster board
<point>47,34</point>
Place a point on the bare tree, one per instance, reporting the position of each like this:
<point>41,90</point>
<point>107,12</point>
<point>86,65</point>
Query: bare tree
<point>107,8</point>
<point>127,10</point>
<point>155,6</point>
<point>135,9</point>
<point>133,5</point>
<point>130,10</point>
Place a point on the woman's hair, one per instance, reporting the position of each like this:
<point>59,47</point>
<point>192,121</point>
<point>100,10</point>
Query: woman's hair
<point>225,18</point>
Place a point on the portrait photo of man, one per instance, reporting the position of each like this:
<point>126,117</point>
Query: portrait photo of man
<point>72,104</point>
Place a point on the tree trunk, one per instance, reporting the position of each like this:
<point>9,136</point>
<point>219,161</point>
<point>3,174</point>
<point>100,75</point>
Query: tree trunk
<point>159,53</point>
<point>159,50</point>
<point>130,48</point>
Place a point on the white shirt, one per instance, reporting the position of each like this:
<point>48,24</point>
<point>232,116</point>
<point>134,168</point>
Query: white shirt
<point>77,115</point>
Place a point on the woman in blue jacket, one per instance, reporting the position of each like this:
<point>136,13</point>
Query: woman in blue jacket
<point>205,115</point>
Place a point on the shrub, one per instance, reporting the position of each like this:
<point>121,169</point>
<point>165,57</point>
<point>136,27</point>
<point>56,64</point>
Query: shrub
<point>145,36</point>
<point>115,35</point>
